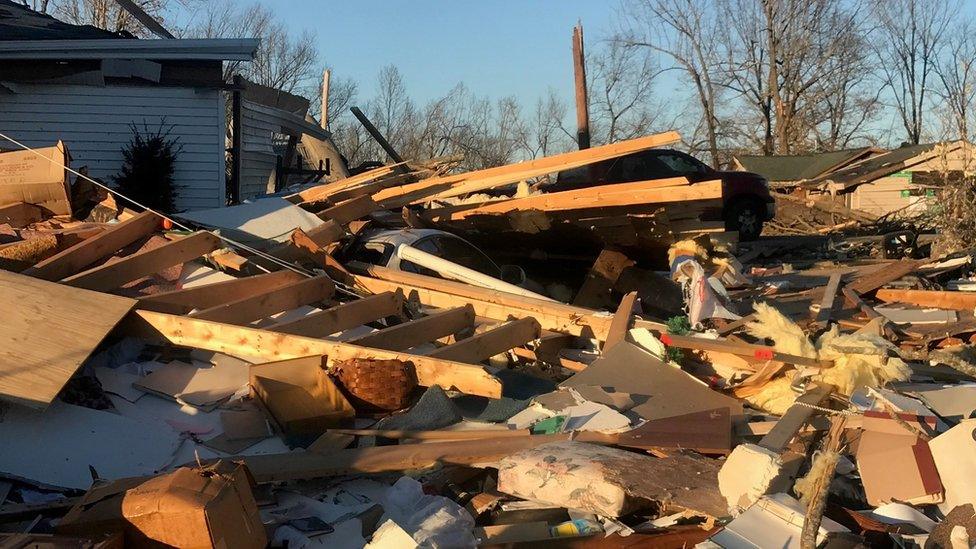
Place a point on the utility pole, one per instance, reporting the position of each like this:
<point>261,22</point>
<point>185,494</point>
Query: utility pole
<point>582,105</point>
<point>324,117</point>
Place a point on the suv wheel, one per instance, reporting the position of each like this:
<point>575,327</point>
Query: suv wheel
<point>745,218</point>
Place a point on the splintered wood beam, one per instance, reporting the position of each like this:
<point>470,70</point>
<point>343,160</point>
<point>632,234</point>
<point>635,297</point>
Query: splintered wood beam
<point>83,254</point>
<point>275,300</point>
<point>350,210</point>
<point>487,344</point>
<point>261,345</point>
<point>760,352</point>
<point>629,306</point>
<point>115,274</point>
<point>956,301</point>
<point>210,295</point>
<point>440,293</point>
<point>322,192</point>
<point>326,233</point>
<point>344,316</point>
<point>470,182</point>
<point>885,274</point>
<point>419,331</point>
<point>601,278</point>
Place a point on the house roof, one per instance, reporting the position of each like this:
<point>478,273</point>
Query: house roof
<point>18,22</point>
<point>26,34</point>
<point>799,167</point>
<point>882,165</point>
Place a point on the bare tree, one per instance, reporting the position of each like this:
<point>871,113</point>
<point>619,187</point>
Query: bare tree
<point>685,31</point>
<point>621,92</point>
<point>107,14</point>
<point>910,35</point>
<point>956,69</point>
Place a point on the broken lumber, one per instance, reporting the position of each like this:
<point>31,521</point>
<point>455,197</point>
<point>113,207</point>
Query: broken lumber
<point>349,210</point>
<point>254,343</point>
<point>760,352</point>
<point>20,214</point>
<point>83,254</point>
<point>470,182</point>
<point>489,343</point>
<point>275,300</point>
<point>419,331</point>
<point>322,192</point>
<point>956,301</point>
<point>140,264</point>
<point>211,295</point>
<point>885,274</point>
<point>344,316</point>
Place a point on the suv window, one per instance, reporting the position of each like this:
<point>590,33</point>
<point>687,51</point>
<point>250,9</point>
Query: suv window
<point>680,164</point>
<point>638,167</point>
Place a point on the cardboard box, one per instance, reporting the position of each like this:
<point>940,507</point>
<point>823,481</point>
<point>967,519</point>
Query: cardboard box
<point>29,178</point>
<point>299,396</point>
<point>190,507</point>
<point>896,464</point>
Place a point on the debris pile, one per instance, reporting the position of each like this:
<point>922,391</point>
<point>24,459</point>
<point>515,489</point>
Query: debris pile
<point>332,368</point>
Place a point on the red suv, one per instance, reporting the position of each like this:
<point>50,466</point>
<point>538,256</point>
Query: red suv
<point>747,201</point>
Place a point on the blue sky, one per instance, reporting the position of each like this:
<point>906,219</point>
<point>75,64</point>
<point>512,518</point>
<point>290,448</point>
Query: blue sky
<point>496,47</point>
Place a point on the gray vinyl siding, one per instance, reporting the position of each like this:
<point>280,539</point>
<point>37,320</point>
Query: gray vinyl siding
<point>258,160</point>
<point>94,122</point>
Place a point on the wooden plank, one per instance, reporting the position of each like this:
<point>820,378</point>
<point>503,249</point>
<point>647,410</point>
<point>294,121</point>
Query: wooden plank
<point>257,344</point>
<point>322,192</point>
<point>144,263</point>
<point>629,306</point>
<point>487,344</point>
<point>344,316</point>
<point>350,210</point>
<point>600,279</point>
<point>440,293</point>
<point>742,349</point>
<point>85,253</point>
<point>470,182</point>
<point>48,331</point>
<point>793,420</point>
<point>885,274</point>
<point>827,302</point>
<point>659,191</point>
<point>419,331</point>
<point>956,301</point>
<point>211,295</point>
<point>19,214</point>
<point>275,300</point>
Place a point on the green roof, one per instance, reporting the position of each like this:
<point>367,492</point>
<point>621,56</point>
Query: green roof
<point>797,167</point>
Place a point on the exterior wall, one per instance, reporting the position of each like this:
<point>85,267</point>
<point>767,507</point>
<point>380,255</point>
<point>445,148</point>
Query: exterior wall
<point>94,122</point>
<point>258,158</point>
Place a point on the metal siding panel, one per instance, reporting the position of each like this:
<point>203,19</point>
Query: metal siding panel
<point>40,115</point>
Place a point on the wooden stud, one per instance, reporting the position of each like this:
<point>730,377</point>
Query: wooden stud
<point>793,420</point>
<point>440,293</point>
<point>261,345</point>
<point>115,274</point>
<point>211,295</point>
<point>419,331</point>
<point>344,316</point>
<point>83,254</point>
<point>827,303</point>
<point>601,278</point>
<point>350,210</point>
<point>956,301</point>
<point>743,349</point>
<point>487,344</point>
<point>885,274</point>
<point>275,300</point>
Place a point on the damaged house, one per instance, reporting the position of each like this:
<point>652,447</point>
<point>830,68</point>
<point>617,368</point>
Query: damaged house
<point>89,88</point>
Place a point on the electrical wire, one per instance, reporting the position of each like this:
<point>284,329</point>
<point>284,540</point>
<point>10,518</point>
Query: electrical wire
<point>232,243</point>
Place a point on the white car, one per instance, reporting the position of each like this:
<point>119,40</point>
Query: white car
<point>378,247</point>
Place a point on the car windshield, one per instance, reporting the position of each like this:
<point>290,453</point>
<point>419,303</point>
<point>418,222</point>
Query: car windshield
<point>458,251</point>
<point>681,164</point>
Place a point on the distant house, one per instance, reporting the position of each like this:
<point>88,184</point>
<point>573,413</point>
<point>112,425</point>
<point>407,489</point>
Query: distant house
<point>87,87</point>
<point>869,179</point>
<point>787,170</point>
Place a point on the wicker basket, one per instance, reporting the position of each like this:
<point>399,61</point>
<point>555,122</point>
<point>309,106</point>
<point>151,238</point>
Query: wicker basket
<point>376,384</point>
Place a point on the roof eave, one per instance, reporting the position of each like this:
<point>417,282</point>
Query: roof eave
<point>209,49</point>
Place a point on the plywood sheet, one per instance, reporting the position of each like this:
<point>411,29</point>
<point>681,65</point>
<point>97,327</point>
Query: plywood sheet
<point>48,331</point>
